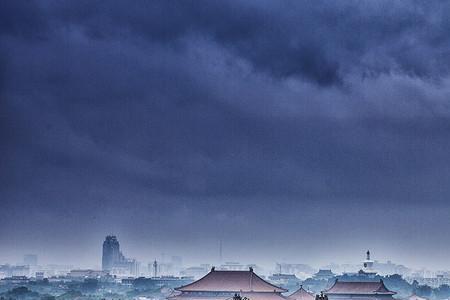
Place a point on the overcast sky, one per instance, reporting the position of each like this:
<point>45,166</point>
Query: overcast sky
<point>302,131</point>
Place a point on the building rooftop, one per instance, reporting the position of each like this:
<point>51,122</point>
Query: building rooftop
<point>359,288</point>
<point>262,296</point>
<point>231,281</point>
<point>249,295</point>
<point>324,273</point>
<point>301,294</point>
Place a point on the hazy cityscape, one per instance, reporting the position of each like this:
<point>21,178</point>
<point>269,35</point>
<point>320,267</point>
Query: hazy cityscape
<point>224,150</point>
<point>121,277</point>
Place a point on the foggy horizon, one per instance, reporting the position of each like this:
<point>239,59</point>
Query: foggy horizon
<point>293,131</point>
<point>210,255</point>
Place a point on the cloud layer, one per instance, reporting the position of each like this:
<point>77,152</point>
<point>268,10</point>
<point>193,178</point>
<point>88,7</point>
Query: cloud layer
<point>175,110</point>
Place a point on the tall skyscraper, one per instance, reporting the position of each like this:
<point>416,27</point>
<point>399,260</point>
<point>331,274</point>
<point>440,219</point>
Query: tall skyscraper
<point>111,253</point>
<point>114,262</point>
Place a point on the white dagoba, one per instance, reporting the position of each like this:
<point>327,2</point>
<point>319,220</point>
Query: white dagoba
<point>368,266</point>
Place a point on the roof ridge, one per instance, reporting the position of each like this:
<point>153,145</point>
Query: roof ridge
<point>241,280</point>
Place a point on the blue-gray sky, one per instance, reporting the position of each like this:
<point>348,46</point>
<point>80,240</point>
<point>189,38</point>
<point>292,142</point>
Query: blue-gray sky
<point>302,131</point>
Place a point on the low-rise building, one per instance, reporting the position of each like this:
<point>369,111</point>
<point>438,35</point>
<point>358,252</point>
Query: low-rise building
<point>86,274</point>
<point>324,274</point>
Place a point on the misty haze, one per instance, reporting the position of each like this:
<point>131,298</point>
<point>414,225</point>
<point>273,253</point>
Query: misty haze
<point>224,150</point>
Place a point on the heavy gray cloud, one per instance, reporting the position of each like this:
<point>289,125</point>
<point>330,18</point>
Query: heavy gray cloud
<point>175,110</point>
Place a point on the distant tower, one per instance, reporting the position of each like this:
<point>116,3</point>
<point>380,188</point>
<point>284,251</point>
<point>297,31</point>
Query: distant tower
<point>155,268</point>
<point>111,253</point>
<point>368,263</point>
<point>220,252</point>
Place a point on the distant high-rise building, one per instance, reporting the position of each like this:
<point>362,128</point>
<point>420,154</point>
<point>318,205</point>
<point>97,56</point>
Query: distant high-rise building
<point>114,262</point>
<point>111,253</point>
<point>30,260</point>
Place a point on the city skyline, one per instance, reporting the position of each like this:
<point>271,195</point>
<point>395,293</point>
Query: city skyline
<point>126,273</point>
<point>297,131</point>
<point>112,258</point>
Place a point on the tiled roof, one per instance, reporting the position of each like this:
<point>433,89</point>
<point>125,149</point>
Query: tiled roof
<point>324,272</point>
<point>231,281</point>
<point>189,296</point>
<point>301,294</point>
<point>359,288</point>
<point>262,296</point>
<point>248,295</point>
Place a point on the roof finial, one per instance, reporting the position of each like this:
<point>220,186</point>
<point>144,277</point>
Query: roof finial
<point>250,269</point>
<point>368,254</point>
<point>213,269</point>
<point>322,296</point>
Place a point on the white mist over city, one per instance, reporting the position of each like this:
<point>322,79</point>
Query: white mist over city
<point>224,150</point>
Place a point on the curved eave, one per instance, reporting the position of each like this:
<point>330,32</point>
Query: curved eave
<point>183,287</point>
<point>277,289</point>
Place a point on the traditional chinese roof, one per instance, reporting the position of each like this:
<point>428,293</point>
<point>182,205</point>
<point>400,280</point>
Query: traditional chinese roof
<point>231,281</point>
<point>301,294</point>
<point>324,272</point>
<point>359,288</point>
<point>263,296</point>
<point>249,295</point>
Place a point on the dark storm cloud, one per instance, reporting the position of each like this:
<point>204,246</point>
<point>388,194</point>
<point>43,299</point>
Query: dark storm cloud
<point>320,42</point>
<point>170,111</point>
